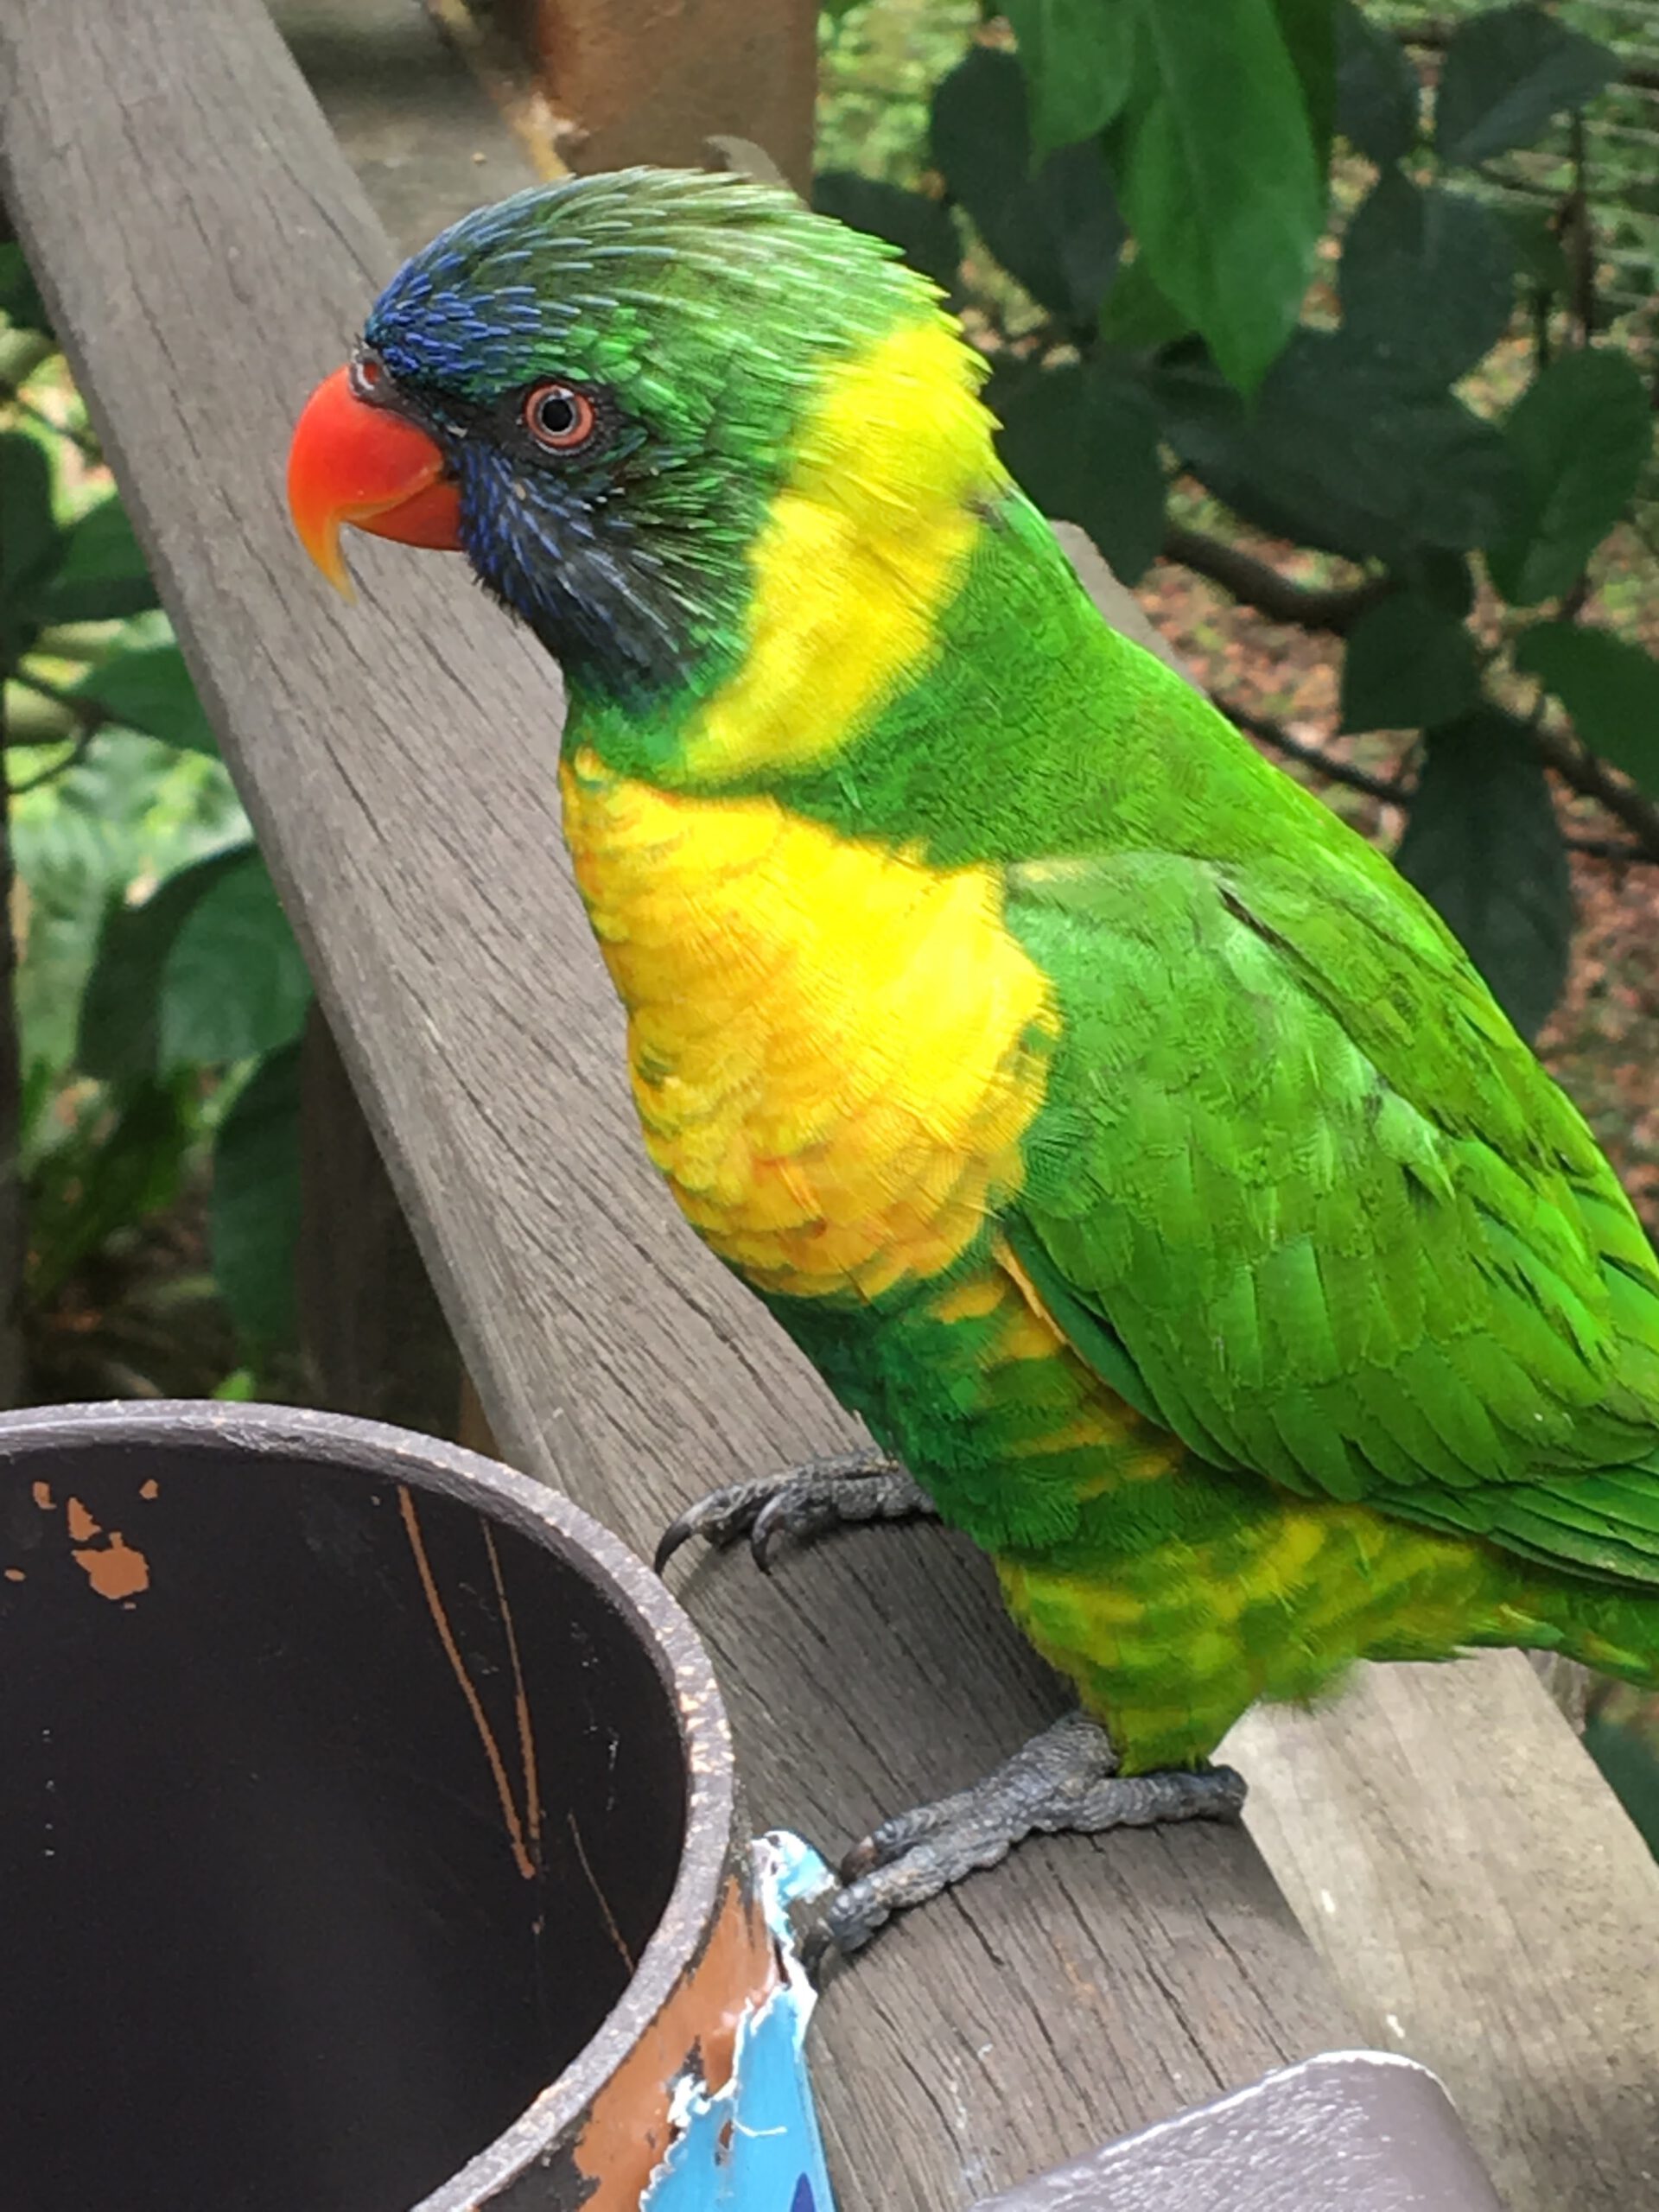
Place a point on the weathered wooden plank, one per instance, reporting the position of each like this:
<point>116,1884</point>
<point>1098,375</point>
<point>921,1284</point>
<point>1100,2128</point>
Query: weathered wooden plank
<point>208,253</point>
<point>1486,1905</point>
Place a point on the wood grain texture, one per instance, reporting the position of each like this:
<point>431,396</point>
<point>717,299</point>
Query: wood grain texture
<point>208,254</point>
<point>1474,1884</point>
<point>1486,1906</point>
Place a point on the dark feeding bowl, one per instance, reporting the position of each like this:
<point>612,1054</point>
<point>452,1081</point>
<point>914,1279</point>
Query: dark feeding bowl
<point>365,1827</point>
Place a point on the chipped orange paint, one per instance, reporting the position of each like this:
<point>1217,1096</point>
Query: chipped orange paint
<point>42,1494</point>
<point>523,1858</point>
<point>16,1574</point>
<point>82,1527</point>
<point>114,1569</point>
<point>627,2130</point>
<point>151,1488</point>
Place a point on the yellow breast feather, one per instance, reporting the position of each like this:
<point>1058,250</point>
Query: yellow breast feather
<point>835,1048</point>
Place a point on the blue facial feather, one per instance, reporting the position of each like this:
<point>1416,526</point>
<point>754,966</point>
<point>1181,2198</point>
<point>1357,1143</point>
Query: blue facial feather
<point>655,294</point>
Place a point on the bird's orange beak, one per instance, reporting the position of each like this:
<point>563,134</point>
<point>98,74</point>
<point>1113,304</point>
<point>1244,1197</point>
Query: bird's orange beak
<point>352,462</point>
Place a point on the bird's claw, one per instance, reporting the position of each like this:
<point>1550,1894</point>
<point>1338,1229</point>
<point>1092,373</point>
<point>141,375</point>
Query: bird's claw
<point>800,1503</point>
<point>1066,1778</point>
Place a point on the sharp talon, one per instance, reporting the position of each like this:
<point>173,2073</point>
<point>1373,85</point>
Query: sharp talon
<point>676,1534</point>
<point>852,1489</point>
<point>861,1860</point>
<point>770,1522</point>
<point>818,1946</point>
<point>1064,1780</point>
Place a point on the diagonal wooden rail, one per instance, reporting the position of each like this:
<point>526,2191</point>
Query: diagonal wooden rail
<point>207,253</point>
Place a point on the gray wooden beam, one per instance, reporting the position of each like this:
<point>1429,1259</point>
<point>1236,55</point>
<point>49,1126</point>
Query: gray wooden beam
<point>207,254</point>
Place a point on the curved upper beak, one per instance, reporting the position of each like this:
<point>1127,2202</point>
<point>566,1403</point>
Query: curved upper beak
<point>350,462</point>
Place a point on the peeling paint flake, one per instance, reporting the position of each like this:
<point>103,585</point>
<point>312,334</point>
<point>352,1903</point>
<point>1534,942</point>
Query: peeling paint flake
<point>114,1569</point>
<point>758,2133</point>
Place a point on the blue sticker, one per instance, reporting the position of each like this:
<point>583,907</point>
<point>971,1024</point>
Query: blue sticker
<point>753,2145</point>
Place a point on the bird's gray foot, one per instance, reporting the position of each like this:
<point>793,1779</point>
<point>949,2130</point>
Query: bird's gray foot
<point>1065,1779</point>
<point>800,1503</point>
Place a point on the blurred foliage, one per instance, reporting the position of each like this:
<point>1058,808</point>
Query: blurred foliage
<point>159,990</point>
<point>1310,317</point>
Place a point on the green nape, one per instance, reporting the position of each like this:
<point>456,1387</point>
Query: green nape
<point>1033,729</point>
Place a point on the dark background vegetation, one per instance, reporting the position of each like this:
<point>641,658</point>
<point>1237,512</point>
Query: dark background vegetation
<point>1334,325</point>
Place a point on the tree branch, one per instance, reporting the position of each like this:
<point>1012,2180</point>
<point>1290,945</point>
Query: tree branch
<point>1258,584</point>
<point>1593,779</point>
<point>1579,770</point>
<point>1311,756</point>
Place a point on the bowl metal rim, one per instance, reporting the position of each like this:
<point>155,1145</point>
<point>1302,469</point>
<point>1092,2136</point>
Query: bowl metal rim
<point>547,1517</point>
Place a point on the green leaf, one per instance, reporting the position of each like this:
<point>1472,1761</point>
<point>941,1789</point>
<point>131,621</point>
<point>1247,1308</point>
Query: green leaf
<point>120,1009</point>
<point>236,984</point>
<point>1084,444</point>
<point>1058,230</point>
<point>1309,30</point>
<point>122,1160</point>
<point>923,229</point>
<point>1079,57</point>
<point>206,972</point>
<point>1485,847</point>
<point>149,690</point>
<point>1136,316</point>
<point>1339,453</point>
<point>1444,579</point>
<point>1428,280</point>
<point>1507,72</point>
<point>254,1215</point>
<point>1408,666</point>
<point>1214,167</point>
<point>20,302</point>
<point>1580,434</point>
<point>1377,92</point>
<point>1609,687</point>
<point>103,575</point>
<point>30,541</point>
<point>1537,250</point>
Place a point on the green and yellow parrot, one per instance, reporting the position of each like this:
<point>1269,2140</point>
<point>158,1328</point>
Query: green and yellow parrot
<point>1114,1130</point>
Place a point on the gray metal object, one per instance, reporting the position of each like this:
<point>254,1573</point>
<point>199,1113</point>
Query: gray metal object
<point>1351,2130</point>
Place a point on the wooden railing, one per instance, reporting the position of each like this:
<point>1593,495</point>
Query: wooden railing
<point>208,253</point>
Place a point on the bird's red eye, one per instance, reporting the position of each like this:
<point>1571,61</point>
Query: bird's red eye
<point>559,417</point>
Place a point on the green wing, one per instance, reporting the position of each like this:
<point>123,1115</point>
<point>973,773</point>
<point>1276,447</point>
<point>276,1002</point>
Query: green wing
<point>1302,1194</point>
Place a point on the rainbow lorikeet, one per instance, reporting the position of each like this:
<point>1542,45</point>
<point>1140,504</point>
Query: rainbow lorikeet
<point>1117,1133</point>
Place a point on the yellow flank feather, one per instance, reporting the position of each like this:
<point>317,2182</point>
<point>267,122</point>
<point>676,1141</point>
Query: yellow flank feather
<point>830,1118</point>
<point>861,550</point>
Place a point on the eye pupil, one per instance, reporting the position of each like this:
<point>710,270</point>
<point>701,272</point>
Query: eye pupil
<point>560,417</point>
